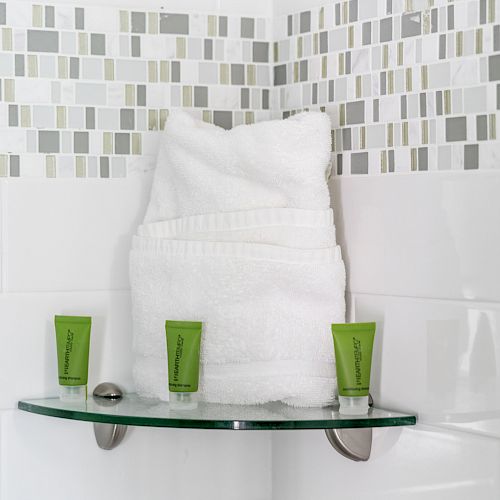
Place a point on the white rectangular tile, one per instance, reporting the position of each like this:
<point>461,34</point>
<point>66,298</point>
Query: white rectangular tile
<point>50,458</point>
<point>437,358</point>
<point>421,235</point>
<point>406,463</point>
<point>68,235</point>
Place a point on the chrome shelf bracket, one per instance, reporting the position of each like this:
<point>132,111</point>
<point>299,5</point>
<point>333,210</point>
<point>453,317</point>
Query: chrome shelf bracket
<point>108,436</point>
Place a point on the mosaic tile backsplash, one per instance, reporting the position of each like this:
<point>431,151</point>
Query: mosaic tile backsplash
<point>410,85</point>
<point>84,91</point>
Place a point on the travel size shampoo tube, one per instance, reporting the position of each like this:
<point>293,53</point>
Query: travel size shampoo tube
<point>183,351</point>
<point>353,343</point>
<point>73,343</point>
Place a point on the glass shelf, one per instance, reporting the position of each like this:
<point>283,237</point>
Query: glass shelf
<point>135,410</point>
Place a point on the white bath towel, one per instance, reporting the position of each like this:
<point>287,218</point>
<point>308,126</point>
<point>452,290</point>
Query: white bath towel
<point>204,169</point>
<point>266,313</point>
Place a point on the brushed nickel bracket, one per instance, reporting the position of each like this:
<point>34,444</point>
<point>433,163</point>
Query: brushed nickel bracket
<point>108,436</point>
<point>354,444</point>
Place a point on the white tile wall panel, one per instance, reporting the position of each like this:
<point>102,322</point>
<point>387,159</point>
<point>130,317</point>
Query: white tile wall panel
<point>70,236</point>
<point>432,236</point>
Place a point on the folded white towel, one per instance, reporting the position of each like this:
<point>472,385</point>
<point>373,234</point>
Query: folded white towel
<point>203,169</point>
<point>266,312</point>
<point>273,226</point>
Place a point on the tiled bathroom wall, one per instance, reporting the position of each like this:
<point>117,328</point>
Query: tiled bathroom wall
<point>410,85</point>
<point>84,90</point>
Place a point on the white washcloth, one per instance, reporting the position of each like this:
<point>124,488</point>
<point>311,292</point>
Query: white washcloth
<point>266,313</point>
<point>204,169</point>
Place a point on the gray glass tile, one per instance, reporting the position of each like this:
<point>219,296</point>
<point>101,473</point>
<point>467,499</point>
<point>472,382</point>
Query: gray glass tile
<point>245,98</point>
<point>122,143</point>
<point>451,17</point>
<point>347,63</point>
<point>201,97</point>
<point>359,163</point>
<point>383,83</point>
<point>331,90</point>
<point>177,24</point>
<point>434,20</point>
<point>209,49</point>
<point>346,139</point>
<point>19,65</point>
<point>247,27</point>
<point>48,141</point>
<point>353,11</point>
<point>81,142</point>
<point>265,99</point>
<point>391,160</point>
<point>13,115</point>
<point>423,159</point>
<point>496,38</point>
<point>315,93</point>
<point>498,96</point>
<point>323,42</point>
<point>290,25</point>
<point>79,18</point>
<point>423,104</point>
<point>303,70</point>
<point>74,67</point>
<point>223,119</point>
<point>97,44</point>
<point>176,72</point>
<point>471,156</point>
<point>439,103</point>
<point>305,21</point>
<point>135,47</point>
<point>482,11</point>
<point>494,67</point>
<point>367,33</point>
<point>404,107</point>
<point>376,110</point>
<point>138,22</point>
<point>14,167</point>
<point>411,24</point>
<point>237,74</point>
<point>280,74</point>
<point>355,112</point>
<point>482,127</point>
<point>442,46</point>
<point>386,29</point>
<point>127,119</point>
<point>141,95</point>
<point>222,25</point>
<point>43,41</point>
<point>388,7</point>
<point>337,14</point>
<point>261,52</point>
<point>49,16</point>
<point>340,161</point>
<point>104,166</point>
<point>90,118</point>
<point>456,129</point>
<point>3,13</point>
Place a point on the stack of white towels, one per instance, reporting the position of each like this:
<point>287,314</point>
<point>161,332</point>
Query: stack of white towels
<point>239,234</point>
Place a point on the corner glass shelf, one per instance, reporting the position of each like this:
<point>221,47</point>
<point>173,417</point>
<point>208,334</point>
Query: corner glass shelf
<point>135,410</point>
<point>351,436</point>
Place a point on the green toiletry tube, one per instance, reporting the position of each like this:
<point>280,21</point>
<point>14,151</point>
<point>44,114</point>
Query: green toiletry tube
<point>73,344</point>
<point>353,343</point>
<point>183,352</point>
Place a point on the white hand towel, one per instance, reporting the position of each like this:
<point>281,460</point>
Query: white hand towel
<point>203,169</point>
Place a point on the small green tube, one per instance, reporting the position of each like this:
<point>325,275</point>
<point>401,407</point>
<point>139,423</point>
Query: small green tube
<point>73,344</point>
<point>183,352</point>
<point>353,343</point>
